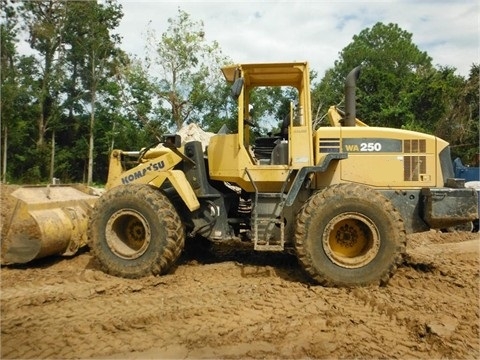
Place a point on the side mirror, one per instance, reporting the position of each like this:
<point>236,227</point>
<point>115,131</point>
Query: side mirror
<point>172,140</point>
<point>250,110</point>
<point>237,88</point>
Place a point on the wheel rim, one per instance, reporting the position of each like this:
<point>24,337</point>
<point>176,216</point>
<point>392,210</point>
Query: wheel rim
<point>351,240</point>
<point>128,234</point>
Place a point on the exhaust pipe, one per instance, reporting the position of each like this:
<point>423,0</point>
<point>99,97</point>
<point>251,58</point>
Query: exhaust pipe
<point>350,87</point>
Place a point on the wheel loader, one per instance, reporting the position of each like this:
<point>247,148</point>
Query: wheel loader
<point>341,197</point>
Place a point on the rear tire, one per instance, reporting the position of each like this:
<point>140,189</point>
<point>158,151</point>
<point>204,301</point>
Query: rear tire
<point>135,231</point>
<point>349,235</point>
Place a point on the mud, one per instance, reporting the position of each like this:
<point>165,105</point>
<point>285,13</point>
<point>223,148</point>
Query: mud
<point>231,303</point>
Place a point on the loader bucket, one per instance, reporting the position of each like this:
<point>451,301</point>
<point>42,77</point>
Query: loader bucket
<point>45,220</point>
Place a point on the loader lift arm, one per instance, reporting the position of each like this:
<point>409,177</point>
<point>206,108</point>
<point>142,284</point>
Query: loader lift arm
<point>158,165</point>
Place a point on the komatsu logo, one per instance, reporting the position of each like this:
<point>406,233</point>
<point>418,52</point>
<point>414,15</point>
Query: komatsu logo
<point>141,173</point>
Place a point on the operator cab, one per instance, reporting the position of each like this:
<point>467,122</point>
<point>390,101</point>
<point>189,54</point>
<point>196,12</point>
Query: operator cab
<point>265,131</point>
<point>270,143</point>
<point>269,136</point>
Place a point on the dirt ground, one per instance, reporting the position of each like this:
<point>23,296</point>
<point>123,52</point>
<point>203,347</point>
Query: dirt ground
<point>231,303</point>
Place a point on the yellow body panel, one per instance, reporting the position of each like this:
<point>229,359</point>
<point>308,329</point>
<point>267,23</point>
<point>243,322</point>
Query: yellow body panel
<point>335,118</point>
<point>300,147</point>
<point>267,74</point>
<point>143,173</point>
<point>156,167</point>
<point>180,183</point>
<point>380,157</point>
<point>230,161</point>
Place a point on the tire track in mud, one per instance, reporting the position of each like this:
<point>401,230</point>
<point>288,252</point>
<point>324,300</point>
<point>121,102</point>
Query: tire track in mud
<point>58,320</point>
<point>241,309</point>
<point>138,318</point>
<point>87,285</point>
<point>432,295</point>
<point>112,314</point>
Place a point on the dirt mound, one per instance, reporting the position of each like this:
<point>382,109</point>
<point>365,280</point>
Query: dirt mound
<point>230,303</point>
<point>6,205</point>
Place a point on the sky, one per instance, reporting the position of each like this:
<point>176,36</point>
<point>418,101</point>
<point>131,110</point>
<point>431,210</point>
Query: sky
<point>314,31</point>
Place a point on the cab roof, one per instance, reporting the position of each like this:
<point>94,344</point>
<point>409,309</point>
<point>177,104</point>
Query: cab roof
<point>267,74</point>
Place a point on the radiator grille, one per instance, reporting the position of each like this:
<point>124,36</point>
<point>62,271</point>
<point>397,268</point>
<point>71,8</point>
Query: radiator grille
<point>414,146</point>
<point>414,165</point>
<point>329,145</point>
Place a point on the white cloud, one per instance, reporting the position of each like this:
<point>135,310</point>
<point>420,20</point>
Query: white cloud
<point>316,31</point>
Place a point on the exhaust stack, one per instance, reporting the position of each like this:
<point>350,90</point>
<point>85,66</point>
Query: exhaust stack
<point>350,100</point>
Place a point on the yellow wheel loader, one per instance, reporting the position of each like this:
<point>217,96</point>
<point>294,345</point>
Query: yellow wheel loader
<point>341,197</point>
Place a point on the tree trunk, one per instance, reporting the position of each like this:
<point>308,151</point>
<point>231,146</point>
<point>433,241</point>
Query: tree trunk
<point>42,101</point>
<point>112,144</point>
<point>41,127</point>
<point>4,159</point>
<point>52,158</point>
<point>90,145</point>
<point>92,123</point>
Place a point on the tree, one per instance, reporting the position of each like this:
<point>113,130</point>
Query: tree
<point>137,93</point>
<point>390,64</point>
<point>93,53</point>
<point>459,124</point>
<point>45,21</point>
<point>189,69</point>
<point>18,102</point>
<point>72,67</point>
<point>9,86</point>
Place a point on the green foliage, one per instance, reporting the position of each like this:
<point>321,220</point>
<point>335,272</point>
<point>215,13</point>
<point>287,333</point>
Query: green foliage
<point>189,71</point>
<point>460,122</point>
<point>270,106</point>
<point>45,22</point>
<point>138,96</point>
<point>50,94</point>
<point>94,56</point>
<point>428,98</point>
<point>390,63</point>
<point>400,88</point>
<point>219,110</point>
<point>17,96</point>
<point>82,92</point>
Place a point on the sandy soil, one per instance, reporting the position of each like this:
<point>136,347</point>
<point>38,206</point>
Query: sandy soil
<point>231,303</point>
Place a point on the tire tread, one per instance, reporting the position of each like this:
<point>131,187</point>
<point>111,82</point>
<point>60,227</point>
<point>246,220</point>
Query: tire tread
<point>319,199</point>
<point>166,213</point>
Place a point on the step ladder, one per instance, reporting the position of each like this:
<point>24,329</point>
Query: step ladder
<point>268,224</point>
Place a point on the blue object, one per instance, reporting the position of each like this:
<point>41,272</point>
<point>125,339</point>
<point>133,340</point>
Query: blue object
<point>465,172</point>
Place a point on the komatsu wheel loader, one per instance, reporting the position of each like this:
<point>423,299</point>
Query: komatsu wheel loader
<point>341,197</point>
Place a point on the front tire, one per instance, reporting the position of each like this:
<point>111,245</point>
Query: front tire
<point>135,231</point>
<point>349,235</point>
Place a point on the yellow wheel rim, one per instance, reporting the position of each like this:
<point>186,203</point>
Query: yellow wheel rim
<point>127,234</point>
<point>351,240</point>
